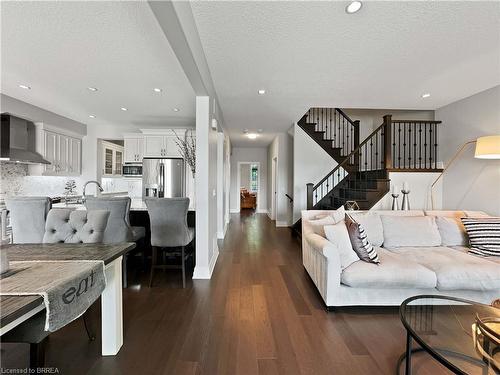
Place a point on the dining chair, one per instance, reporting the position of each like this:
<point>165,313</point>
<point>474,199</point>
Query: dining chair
<point>169,232</point>
<point>62,226</point>
<point>27,218</point>
<point>118,228</point>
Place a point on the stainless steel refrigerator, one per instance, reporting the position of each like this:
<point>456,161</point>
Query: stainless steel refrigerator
<point>163,178</point>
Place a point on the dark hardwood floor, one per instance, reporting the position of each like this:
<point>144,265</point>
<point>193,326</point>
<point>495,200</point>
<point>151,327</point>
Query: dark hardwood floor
<point>259,314</point>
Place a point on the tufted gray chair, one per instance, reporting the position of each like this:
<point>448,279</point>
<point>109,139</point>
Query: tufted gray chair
<point>62,225</point>
<point>169,229</point>
<point>27,217</point>
<point>75,226</point>
<point>118,228</point>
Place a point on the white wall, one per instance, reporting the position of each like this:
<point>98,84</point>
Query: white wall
<point>470,183</point>
<point>248,154</point>
<point>310,164</point>
<point>420,193</point>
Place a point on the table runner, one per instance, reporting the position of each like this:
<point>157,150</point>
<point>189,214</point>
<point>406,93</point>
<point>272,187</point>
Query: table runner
<point>68,288</point>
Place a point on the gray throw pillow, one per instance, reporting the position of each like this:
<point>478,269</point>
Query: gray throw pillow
<point>359,241</point>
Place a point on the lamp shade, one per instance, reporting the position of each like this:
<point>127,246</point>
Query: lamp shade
<point>488,147</point>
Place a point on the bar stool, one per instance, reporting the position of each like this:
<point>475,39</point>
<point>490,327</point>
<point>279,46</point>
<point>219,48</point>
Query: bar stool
<point>169,232</point>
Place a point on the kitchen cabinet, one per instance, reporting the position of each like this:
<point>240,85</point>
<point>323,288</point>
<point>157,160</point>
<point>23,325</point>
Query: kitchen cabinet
<point>160,146</point>
<point>64,153</point>
<point>133,150</point>
<point>112,159</point>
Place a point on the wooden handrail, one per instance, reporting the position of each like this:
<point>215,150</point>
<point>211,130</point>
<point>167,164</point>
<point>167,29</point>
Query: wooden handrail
<point>346,117</point>
<point>418,121</point>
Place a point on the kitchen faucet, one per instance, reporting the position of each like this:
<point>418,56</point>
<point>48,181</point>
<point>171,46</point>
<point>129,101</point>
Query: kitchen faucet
<point>91,182</point>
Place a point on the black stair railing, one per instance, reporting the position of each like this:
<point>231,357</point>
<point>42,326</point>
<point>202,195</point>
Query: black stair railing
<point>415,145</point>
<point>340,129</point>
<point>357,172</point>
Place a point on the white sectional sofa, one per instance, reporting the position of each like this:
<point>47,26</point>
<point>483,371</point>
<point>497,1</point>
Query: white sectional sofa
<point>403,271</point>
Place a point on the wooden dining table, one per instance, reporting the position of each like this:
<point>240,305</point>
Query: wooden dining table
<point>14,310</point>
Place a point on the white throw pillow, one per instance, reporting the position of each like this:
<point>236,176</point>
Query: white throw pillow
<point>400,231</point>
<point>373,226</point>
<point>338,235</point>
<point>452,231</point>
<point>318,224</point>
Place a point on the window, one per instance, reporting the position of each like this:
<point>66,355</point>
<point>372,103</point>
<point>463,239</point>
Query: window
<point>254,178</point>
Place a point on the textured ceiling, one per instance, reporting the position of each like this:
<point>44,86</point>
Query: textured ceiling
<point>61,48</point>
<point>314,54</point>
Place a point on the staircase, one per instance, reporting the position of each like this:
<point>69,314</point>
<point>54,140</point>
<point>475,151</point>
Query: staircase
<point>362,171</point>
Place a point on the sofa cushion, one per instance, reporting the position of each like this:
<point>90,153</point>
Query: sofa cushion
<point>337,235</point>
<point>398,212</point>
<point>359,240</point>
<point>454,269</point>
<point>317,225</point>
<point>452,231</point>
<point>372,224</point>
<point>392,272</point>
<point>465,250</point>
<point>410,231</point>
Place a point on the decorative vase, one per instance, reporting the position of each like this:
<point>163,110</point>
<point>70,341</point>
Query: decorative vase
<point>406,202</point>
<point>395,202</point>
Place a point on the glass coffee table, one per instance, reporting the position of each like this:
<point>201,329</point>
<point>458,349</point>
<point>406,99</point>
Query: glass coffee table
<point>443,327</point>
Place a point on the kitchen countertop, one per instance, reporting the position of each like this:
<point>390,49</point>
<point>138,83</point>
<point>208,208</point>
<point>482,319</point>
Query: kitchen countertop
<point>136,204</point>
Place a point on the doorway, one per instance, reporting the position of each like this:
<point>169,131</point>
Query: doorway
<point>249,185</point>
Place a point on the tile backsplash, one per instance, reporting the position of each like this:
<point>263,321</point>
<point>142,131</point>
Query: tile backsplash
<point>14,180</point>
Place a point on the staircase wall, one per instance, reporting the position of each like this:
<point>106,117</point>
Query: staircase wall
<point>310,164</point>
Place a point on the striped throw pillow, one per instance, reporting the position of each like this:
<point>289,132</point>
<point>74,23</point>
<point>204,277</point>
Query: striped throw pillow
<point>359,241</point>
<point>484,235</point>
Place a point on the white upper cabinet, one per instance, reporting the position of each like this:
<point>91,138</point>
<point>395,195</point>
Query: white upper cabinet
<point>64,152</point>
<point>134,149</point>
<point>154,146</point>
<point>163,144</point>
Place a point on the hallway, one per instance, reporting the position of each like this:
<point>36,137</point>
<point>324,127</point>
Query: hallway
<point>260,314</point>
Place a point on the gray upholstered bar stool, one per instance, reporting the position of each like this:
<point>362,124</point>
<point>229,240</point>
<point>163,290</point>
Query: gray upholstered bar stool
<point>169,232</point>
<point>62,225</point>
<point>27,218</point>
<point>118,229</point>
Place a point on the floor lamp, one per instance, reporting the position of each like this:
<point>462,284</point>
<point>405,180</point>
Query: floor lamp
<point>486,148</point>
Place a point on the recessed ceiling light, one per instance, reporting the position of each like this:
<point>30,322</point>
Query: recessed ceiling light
<point>123,109</point>
<point>426,95</point>
<point>262,92</point>
<point>26,87</point>
<point>92,116</point>
<point>252,135</point>
<point>92,88</point>
<point>156,89</point>
<point>175,109</point>
<point>353,7</point>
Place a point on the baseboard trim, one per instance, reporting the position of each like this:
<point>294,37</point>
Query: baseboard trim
<point>281,224</point>
<point>205,272</point>
<point>234,211</point>
<point>269,215</point>
<point>262,211</point>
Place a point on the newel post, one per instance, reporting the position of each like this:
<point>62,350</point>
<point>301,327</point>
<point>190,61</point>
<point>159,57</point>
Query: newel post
<point>310,196</point>
<point>387,141</point>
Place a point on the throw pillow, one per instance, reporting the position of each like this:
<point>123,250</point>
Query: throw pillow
<point>359,241</point>
<point>337,235</point>
<point>318,224</point>
<point>484,235</point>
<point>337,215</point>
<point>417,231</point>
<point>373,226</point>
<point>452,231</point>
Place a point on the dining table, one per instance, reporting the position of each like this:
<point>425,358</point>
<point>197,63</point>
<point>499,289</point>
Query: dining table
<point>14,310</point>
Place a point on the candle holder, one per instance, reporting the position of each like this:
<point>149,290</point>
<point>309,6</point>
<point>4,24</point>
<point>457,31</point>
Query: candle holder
<point>395,202</point>
<point>406,202</point>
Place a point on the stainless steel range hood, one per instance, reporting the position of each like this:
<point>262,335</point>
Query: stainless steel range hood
<point>17,141</point>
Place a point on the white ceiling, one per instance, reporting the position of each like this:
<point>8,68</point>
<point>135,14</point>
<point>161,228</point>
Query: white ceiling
<point>314,54</point>
<point>61,48</point>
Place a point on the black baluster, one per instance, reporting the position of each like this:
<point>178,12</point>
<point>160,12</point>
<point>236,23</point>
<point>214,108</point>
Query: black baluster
<point>430,145</point>
<point>399,145</point>
<point>415,147</point>
<point>409,145</point>
<point>425,145</point>
<point>420,146</point>
<point>435,146</point>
